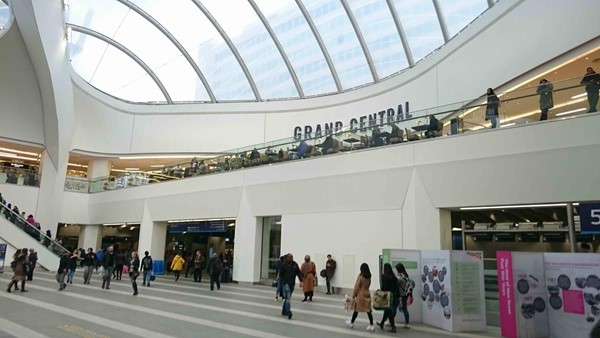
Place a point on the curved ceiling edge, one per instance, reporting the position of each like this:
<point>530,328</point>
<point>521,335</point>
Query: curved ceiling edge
<point>386,85</point>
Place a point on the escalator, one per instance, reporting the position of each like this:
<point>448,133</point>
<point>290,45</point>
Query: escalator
<point>18,233</point>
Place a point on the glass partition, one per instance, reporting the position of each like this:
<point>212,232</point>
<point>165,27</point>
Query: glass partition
<point>29,226</point>
<point>271,246</point>
<point>19,176</point>
<point>517,107</point>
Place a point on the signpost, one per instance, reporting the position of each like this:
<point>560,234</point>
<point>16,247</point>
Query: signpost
<point>589,216</point>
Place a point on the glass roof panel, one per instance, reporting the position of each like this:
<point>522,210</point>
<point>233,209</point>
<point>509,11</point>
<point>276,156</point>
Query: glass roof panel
<point>143,89</point>
<point>85,53</point>
<point>256,47</point>
<point>341,41</point>
<point>380,33</point>
<point>459,13</point>
<point>99,15</point>
<point>130,75</point>
<point>4,16</point>
<point>300,45</point>
<point>421,26</point>
<point>178,74</point>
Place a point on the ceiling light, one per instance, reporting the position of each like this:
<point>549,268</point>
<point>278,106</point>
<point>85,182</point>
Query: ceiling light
<point>516,206</point>
<point>571,111</point>
<point>157,166</point>
<point>132,169</point>
<point>132,228</point>
<point>20,152</point>
<point>109,224</point>
<point>7,155</point>
<point>579,95</point>
<point>231,224</point>
<point>123,226</point>
<point>456,229</point>
<point>149,157</point>
<point>507,125</point>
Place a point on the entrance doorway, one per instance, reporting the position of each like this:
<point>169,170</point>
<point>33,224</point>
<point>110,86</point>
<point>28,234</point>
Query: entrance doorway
<point>271,246</point>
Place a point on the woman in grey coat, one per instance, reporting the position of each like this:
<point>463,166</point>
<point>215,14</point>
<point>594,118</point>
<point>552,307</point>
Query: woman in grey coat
<point>545,90</point>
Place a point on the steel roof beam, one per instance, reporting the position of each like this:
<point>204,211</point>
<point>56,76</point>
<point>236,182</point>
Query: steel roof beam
<point>232,47</point>
<point>315,32</point>
<point>442,20</point>
<point>361,39</point>
<point>173,40</point>
<point>279,47</point>
<point>407,51</point>
<point>129,53</point>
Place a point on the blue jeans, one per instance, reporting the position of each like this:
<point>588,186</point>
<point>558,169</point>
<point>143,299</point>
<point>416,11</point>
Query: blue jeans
<point>405,309</point>
<point>279,289</point>
<point>70,274</point>
<point>147,275</point>
<point>287,305</point>
<point>495,119</point>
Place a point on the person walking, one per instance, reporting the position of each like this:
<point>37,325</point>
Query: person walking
<point>361,297</point>
<point>491,110</point>
<point>546,102</point>
<point>190,264</point>
<point>99,258</point>
<point>287,276</point>
<point>134,271</point>
<point>63,267</point>
<point>73,260</point>
<point>89,262</point>
<point>120,258</point>
<point>330,266</point>
<point>147,268</point>
<point>405,286</point>
<point>389,282</point>
<point>279,288</point>
<point>177,265</point>
<point>215,267</point>
<point>19,265</point>
<point>109,261</point>
<point>33,258</point>
<point>199,263</point>
<point>309,273</point>
<point>591,80</point>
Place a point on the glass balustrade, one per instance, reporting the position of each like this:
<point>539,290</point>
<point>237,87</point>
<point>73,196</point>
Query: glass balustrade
<point>19,176</point>
<point>515,107</point>
<point>31,229</point>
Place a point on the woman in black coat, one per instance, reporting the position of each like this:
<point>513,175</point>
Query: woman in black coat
<point>389,282</point>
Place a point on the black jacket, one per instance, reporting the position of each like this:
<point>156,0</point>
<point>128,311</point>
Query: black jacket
<point>288,273</point>
<point>89,259</point>
<point>107,261</point>
<point>63,265</point>
<point>390,283</point>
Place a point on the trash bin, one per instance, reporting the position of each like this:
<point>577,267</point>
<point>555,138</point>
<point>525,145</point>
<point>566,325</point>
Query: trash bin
<point>158,267</point>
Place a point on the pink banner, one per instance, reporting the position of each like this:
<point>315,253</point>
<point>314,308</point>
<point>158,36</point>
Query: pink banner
<point>508,320</point>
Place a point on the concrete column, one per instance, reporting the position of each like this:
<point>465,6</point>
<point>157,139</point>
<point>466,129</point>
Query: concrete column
<point>153,236</point>
<point>90,236</point>
<point>247,250</point>
<point>50,197</point>
<point>98,168</point>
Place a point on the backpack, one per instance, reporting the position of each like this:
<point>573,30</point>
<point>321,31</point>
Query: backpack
<point>406,285</point>
<point>147,263</point>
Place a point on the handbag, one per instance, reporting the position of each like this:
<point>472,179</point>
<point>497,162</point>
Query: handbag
<point>274,283</point>
<point>152,277</point>
<point>323,273</point>
<point>382,300</point>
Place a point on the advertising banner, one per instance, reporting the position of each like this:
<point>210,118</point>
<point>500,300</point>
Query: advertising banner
<point>573,293</point>
<point>411,259</point>
<point>436,290</point>
<point>522,294</point>
<point>2,256</point>
<point>468,292</point>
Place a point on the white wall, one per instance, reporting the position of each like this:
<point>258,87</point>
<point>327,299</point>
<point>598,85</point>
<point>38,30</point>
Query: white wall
<point>25,197</point>
<point>508,41</point>
<point>354,204</point>
<point>17,238</point>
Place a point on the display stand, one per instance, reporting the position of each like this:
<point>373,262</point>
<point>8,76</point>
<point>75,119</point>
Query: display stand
<point>411,259</point>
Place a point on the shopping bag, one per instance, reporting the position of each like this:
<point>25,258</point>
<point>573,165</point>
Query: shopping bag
<point>152,277</point>
<point>382,300</point>
<point>101,271</point>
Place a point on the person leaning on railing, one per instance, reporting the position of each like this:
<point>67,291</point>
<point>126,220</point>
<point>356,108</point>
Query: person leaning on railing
<point>591,80</point>
<point>546,102</point>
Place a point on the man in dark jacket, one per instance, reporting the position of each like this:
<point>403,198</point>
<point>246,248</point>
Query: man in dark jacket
<point>89,262</point>
<point>147,266</point>
<point>330,266</point>
<point>32,262</point>
<point>109,261</point>
<point>591,80</point>
<point>63,266</point>
<point>215,267</point>
<point>287,275</point>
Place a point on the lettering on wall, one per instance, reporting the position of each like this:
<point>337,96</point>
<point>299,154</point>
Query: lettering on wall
<point>360,123</point>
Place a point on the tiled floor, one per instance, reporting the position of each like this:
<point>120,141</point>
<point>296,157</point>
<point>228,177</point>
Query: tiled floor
<point>182,309</point>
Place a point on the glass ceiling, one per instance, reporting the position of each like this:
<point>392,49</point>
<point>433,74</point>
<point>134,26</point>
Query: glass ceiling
<point>172,51</point>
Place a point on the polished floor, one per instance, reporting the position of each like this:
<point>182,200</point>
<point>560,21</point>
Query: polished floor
<point>182,309</point>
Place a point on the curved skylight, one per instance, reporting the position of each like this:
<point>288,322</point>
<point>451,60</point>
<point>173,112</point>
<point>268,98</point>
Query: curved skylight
<point>5,16</point>
<point>170,51</point>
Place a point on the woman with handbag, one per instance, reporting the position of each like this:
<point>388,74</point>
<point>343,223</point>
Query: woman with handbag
<point>405,286</point>
<point>134,271</point>
<point>361,297</point>
<point>309,271</point>
<point>389,282</point>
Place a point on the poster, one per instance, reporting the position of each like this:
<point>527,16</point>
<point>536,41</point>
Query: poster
<point>468,291</point>
<point>436,290</point>
<point>522,294</point>
<point>573,293</point>
<point>2,256</point>
<point>411,259</point>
